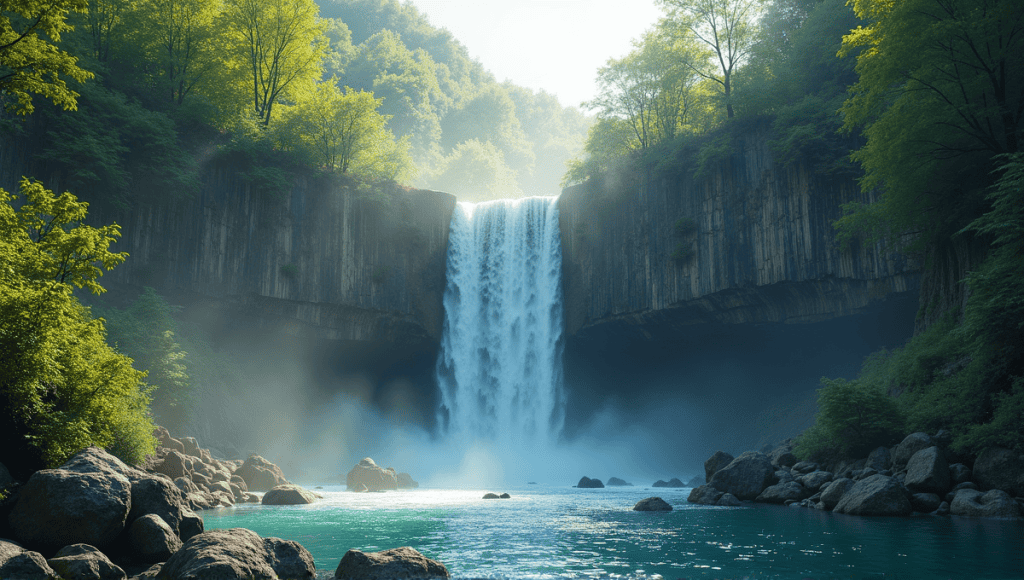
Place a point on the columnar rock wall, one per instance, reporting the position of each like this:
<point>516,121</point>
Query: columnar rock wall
<point>762,248</point>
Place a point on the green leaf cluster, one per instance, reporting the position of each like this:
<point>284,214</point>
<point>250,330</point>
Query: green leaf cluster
<point>62,387</point>
<point>853,418</point>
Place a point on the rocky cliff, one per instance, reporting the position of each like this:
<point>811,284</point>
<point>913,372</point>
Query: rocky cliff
<point>754,244</point>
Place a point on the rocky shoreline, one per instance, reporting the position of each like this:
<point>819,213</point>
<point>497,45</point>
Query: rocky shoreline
<point>920,475</point>
<point>96,518</point>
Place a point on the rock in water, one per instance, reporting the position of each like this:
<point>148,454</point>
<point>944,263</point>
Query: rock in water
<point>928,472</point>
<point>616,482</point>
<point>288,495</point>
<point>994,503</point>
<point>652,504</point>
<point>369,474</point>
<point>746,476</point>
<point>405,563</point>
<point>57,507</point>
<point>260,474</point>
<point>781,492</point>
<point>586,482</point>
<point>491,496</point>
<point>834,491</point>
<point>704,495</point>
<point>82,561</point>
<point>238,554</point>
<point>878,495</point>
<point>906,449</point>
<point>717,461</point>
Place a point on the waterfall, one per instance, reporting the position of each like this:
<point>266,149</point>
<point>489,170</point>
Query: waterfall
<point>500,367</point>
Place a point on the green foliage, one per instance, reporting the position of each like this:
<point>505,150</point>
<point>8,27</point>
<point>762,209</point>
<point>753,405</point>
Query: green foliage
<point>684,226</point>
<point>289,271</point>
<point>853,418</point>
<point>683,253</point>
<point>30,62</point>
<point>476,171</point>
<point>62,388</point>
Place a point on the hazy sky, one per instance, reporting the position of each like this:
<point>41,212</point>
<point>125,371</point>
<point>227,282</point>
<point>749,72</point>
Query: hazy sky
<point>554,45</point>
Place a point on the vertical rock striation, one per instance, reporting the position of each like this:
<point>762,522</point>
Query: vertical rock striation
<point>756,244</point>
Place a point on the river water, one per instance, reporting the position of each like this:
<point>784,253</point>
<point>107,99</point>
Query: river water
<point>553,532</point>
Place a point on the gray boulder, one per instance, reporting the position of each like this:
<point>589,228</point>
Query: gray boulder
<point>191,446</point>
<point>815,479</point>
<point>369,474</point>
<point>57,507</point>
<point>704,495</point>
<point>878,495</point>
<point>616,482</point>
<point>880,459</point>
<point>805,467</point>
<point>728,500</point>
<point>405,563</point>
<point>152,539</point>
<point>674,482</point>
<point>237,554</point>
<point>906,449</point>
<point>925,503</point>
<point>784,476</point>
<point>928,472</point>
<point>84,562</point>
<point>746,476</point>
<point>288,495</point>
<point>158,496</point>
<point>173,465</point>
<point>781,492</point>
<point>997,468</point>
<point>261,475</point>
<point>782,456</point>
<point>405,481</point>
<point>717,461</point>
<point>833,492</point>
<point>652,504</point>
<point>994,503</point>
<point>150,573</point>
<point>96,460</point>
<point>586,482</point>
<point>16,562</point>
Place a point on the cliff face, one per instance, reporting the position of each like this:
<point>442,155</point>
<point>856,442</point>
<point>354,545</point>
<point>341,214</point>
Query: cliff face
<point>322,262</point>
<point>759,248</point>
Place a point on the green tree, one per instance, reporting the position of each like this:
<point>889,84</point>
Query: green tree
<point>853,418</point>
<point>476,171</point>
<point>103,22</point>
<point>30,62</point>
<point>490,116</point>
<point>282,45</point>
<point>62,388</point>
<point>727,27</point>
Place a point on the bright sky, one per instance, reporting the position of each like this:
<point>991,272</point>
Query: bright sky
<point>554,45</point>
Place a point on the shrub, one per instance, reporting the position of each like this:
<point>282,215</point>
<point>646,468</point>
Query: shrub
<point>685,226</point>
<point>853,418</point>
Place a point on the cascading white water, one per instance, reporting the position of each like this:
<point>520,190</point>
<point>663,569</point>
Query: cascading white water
<point>500,368</point>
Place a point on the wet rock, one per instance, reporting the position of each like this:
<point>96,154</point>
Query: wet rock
<point>746,476</point>
<point>997,468</point>
<point>262,475</point>
<point>877,495</point>
<point>834,491</point>
<point>925,503</point>
<point>369,474</point>
<point>152,539</point>
<point>704,495</point>
<point>814,480</point>
<point>879,459</point>
<point>239,554</point>
<point>728,500</point>
<point>586,482</point>
<point>652,504</point>
<point>288,495</point>
<point>57,507</point>
<point>717,461</point>
<point>928,472</point>
<point>994,503</point>
<point>84,562</point>
<point>405,481</point>
<point>906,449</point>
<point>405,563</point>
<point>781,492</point>
<point>616,482</point>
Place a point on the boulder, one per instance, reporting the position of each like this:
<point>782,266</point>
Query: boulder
<point>16,562</point>
<point>586,482</point>
<point>185,485</point>
<point>997,468</point>
<point>288,495</point>
<point>880,459</point>
<point>925,503</point>
<point>616,482</point>
<point>239,554</point>
<point>906,449</point>
<point>959,473</point>
<point>150,573</point>
<point>717,461</point>
<point>652,504</point>
<point>784,476</point>
<point>814,480</point>
<point>152,539</point>
<point>782,456</point>
<point>728,500</point>
<point>878,495</point>
<point>833,492</point>
<point>368,473</point>
<point>251,498</point>
<point>84,562</point>
<point>704,495</point>
<point>173,465</point>
<point>405,481</point>
<point>805,467</point>
<point>57,507</point>
<point>928,472</point>
<point>158,496</point>
<point>746,476</point>
<point>239,482</point>
<point>491,496</point>
<point>191,446</point>
<point>781,492</point>
<point>994,503</point>
<point>260,474</point>
<point>96,460</point>
<point>405,563</point>
<point>505,496</point>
